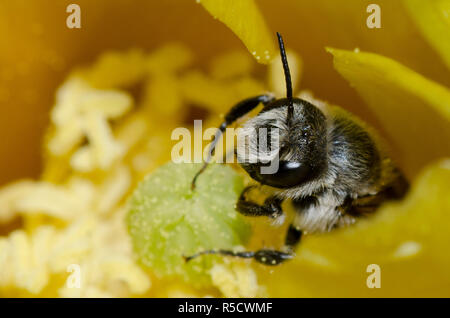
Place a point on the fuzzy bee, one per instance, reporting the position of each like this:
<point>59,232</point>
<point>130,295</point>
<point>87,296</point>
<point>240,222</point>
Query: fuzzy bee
<point>330,165</point>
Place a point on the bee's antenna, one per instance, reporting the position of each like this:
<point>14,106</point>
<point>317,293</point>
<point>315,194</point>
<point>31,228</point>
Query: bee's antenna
<point>287,76</point>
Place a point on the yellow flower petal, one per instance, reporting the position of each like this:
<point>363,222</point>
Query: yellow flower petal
<point>406,239</point>
<point>244,18</point>
<point>433,20</point>
<point>412,109</point>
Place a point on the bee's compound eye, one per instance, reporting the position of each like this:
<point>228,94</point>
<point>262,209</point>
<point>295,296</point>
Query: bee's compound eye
<point>286,174</point>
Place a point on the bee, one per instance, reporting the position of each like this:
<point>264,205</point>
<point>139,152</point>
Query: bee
<point>331,166</point>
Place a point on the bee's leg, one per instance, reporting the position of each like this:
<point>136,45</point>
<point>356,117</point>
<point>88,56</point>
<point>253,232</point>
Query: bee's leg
<point>270,208</point>
<point>244,107</point>
<point>263,256</point>
<point>365,205</point>
<point>293,237</point>
<point>237,111</point>
<point>362,206</point>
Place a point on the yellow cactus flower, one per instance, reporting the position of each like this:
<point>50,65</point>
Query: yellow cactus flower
<point>87,113</point>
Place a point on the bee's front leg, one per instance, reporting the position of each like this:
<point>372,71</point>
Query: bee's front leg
<point>270,208</point>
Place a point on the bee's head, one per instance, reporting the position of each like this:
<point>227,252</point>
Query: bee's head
<point>294,149</point>
<point>285,144</point>
<point>281,154</point>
